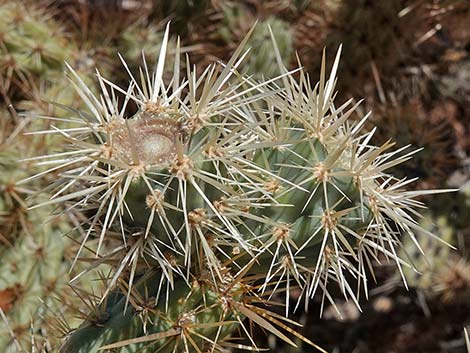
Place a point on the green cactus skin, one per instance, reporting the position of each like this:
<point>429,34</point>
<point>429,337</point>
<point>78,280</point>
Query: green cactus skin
<point>28,35</point>
<point>33,48</point>
<point>224,191</point>
<point>13,205</point>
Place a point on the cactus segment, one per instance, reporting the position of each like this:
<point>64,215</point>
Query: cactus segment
<point>220,192</point>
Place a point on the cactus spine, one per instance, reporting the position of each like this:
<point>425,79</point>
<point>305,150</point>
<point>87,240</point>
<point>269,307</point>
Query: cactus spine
<point>219,192</point>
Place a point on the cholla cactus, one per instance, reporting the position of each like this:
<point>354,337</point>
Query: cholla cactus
<point>237,20</point>
<point>31,45</point>
<point>33,48</point>
<point>12,205</point>
<point>226,25</point>
<point>28,285</point>
<point>28,248</point>
<point>137,40</point>
<point>31,243</point>
<point>56,88</point>
<point>218,193</point>
<point>443,274</point>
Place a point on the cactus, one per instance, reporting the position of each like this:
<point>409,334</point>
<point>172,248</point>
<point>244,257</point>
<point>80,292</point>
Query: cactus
<point>29,290</point>
<point>14,145</point>
<point>237,21</point>
<point>54,95</point>
<point>218,193</point>
<point>27,249</point>
<point>31,46</point>
<point>31,243</point>
<point>138,40</point>
<point>28,282</point>
<point>225,25</point>
<point>444,274</point>
<point>33,49</point>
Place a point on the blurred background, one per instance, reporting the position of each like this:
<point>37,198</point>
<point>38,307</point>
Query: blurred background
<point>409,59</point>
